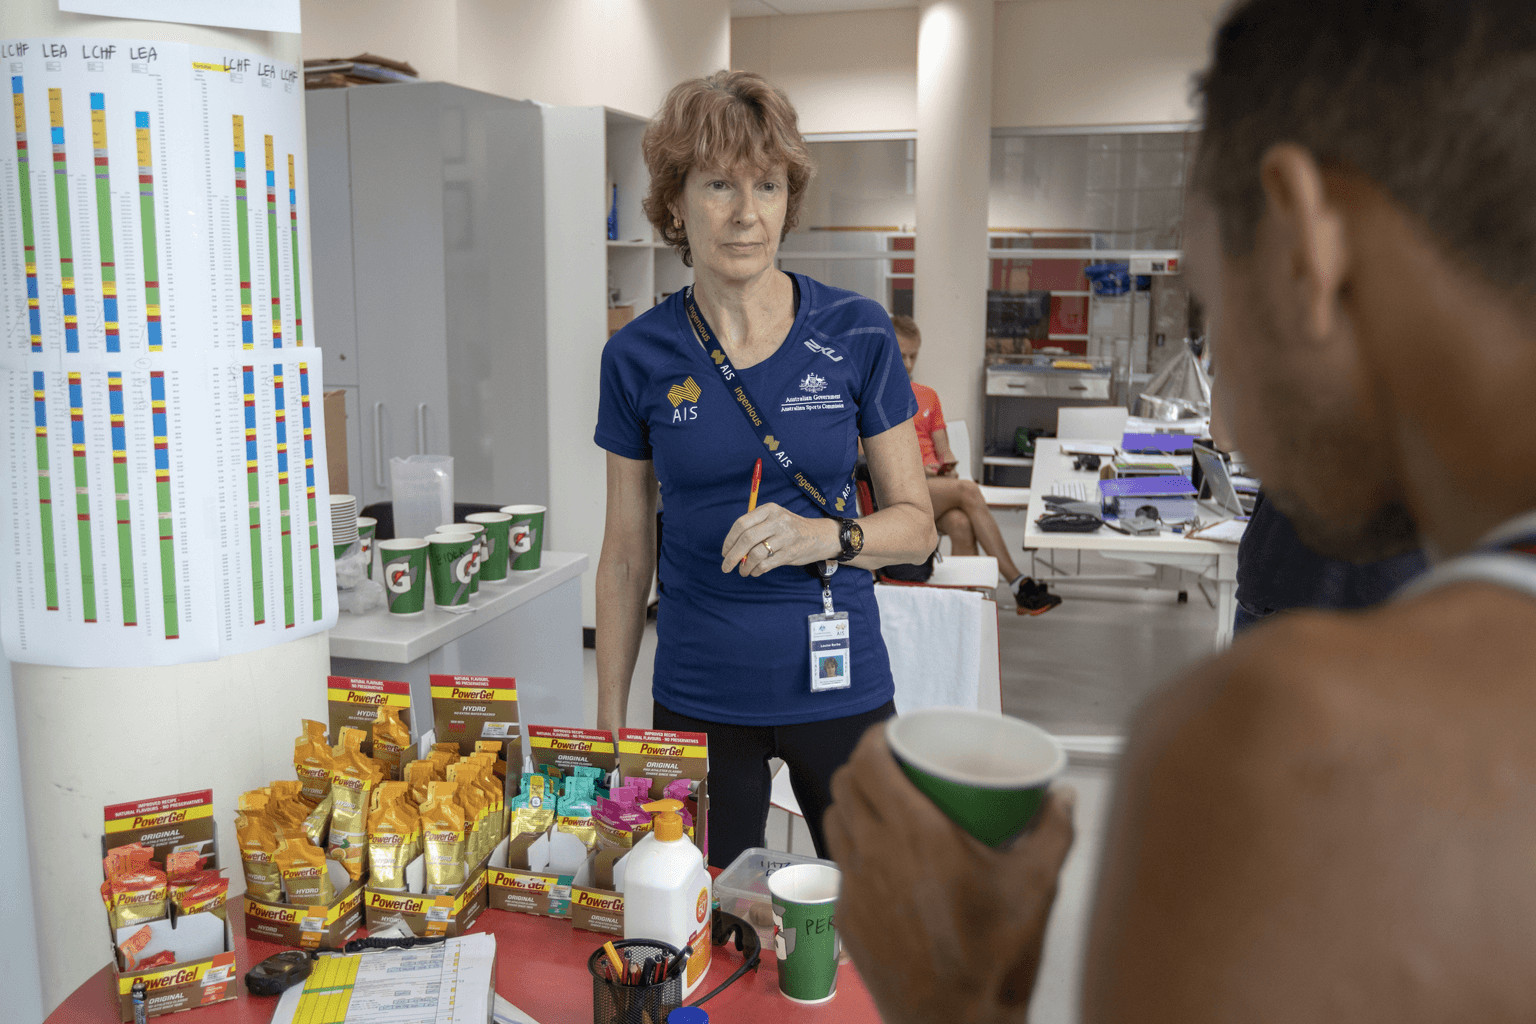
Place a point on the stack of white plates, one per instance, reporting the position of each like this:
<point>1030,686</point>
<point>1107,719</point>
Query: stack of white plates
<point>343,519</point>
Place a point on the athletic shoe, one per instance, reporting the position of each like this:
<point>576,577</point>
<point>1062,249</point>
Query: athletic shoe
<point>1033,598</point>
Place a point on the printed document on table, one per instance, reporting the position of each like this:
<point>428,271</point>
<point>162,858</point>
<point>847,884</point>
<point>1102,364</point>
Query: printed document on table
<point>449,983</point>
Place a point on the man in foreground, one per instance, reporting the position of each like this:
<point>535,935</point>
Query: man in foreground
<point>1335,820</point>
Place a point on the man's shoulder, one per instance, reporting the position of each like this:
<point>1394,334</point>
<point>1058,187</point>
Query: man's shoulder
<point>1339,692</point>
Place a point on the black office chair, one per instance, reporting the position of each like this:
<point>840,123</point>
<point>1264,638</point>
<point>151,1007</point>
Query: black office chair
<point>384,512</point>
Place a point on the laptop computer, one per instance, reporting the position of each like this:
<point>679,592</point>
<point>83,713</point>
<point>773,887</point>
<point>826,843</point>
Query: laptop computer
<point>1216,483</point>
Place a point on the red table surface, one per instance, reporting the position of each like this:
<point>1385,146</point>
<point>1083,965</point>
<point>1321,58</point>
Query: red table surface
<point>541,967</point>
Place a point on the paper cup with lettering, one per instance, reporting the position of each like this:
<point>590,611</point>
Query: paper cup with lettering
<point>804,932</point>
<point>366,525</point>
<point>498,530</point>
<point>988,772</point>
<point>527,541</point>
<point>476,531</point>
<point>403,564</point>
<point>451,557</point>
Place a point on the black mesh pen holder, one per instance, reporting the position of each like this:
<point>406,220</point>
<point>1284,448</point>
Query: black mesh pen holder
<point>647,1002</point>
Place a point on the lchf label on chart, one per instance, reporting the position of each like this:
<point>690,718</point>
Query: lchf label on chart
<point>161,394</point>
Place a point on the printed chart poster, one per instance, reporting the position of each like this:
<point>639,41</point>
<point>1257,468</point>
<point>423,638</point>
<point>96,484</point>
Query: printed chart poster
<point>161,442</point>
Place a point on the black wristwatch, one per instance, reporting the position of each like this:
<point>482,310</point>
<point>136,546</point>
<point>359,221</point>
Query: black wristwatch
<point>851,536</point>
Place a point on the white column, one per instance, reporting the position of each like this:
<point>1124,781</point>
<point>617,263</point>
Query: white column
<point>92,737</point>
<point>954,118</point>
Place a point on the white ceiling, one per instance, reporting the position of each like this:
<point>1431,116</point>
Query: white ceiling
<point>760,8</point>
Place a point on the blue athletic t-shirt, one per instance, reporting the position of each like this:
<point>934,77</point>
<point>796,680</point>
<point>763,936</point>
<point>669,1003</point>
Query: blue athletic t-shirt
<point>736,649</point>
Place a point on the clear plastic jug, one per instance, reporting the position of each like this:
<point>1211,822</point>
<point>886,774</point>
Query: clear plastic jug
<point>422,490</point>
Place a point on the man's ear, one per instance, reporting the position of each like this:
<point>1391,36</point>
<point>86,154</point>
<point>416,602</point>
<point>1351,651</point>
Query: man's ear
<point>1310,229</point>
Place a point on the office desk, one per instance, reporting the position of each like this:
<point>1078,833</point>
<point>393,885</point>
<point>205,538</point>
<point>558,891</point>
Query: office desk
<point>541,968</point>
<point>1209,560</point>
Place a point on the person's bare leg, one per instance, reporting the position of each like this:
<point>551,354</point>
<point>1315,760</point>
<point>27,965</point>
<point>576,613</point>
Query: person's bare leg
<point>956,525</point>
<point>948,494</point>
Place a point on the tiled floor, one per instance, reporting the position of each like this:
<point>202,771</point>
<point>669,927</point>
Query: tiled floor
<point>1080,669</point>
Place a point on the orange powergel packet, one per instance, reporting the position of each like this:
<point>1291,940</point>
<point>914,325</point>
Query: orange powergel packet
<point>211,895</point>
<point>442,835</point>
<point>302,866</point>
<point>353,777</point>
<point>312,762</point>
<point>138,896</point>
<point>476,812</point>
<point>258,847</point>
<point>391,741</point>
<point>181,863</point>
<point>133,945</point>
<point>393,831</point>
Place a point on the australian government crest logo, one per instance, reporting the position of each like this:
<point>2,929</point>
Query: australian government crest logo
<point>813,396</point>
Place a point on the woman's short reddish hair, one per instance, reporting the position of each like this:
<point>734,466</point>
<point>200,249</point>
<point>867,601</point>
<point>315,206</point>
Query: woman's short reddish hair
<point>730,119</point>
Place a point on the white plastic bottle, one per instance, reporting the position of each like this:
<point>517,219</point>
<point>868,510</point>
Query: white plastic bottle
<point>667,891</point>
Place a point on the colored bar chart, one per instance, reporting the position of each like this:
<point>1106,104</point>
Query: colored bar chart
<point>28,240</point>
<point>253,493</point>
<point>45,489</point>
<point>124,507</point>
<point>61,221</point>
<point>243,232</point>
<point>86,554</point>
<point>309,486</point>
<point>128,257</point>
<point>280,416</point>
<point>149,252</point>
<point>272,268</point>
<point>293,244</point>
<point>104,244</point>
<point>167,531</point>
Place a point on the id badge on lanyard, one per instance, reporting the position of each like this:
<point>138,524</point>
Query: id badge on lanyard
<point>831,642</point>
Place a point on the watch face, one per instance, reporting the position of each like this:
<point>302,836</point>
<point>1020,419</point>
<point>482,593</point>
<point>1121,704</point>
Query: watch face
<point>856,536</point>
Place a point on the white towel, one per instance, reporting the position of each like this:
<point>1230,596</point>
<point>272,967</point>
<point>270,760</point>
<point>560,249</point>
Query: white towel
<point>933,637</point>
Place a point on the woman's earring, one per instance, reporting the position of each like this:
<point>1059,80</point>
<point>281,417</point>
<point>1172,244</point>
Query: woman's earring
<point>676,223</point>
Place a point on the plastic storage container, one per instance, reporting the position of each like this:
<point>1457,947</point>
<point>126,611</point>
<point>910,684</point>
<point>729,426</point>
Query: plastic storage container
<point>742,888</point>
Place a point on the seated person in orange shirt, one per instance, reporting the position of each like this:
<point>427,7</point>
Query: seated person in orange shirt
<point>959,510</point>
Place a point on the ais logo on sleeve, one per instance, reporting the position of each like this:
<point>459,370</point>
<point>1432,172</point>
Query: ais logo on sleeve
<point>684,398</point>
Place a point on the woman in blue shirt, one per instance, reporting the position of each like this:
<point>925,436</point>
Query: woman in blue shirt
<point>750,363</point>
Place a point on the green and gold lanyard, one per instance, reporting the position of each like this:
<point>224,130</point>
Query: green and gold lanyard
<point>830,641</point>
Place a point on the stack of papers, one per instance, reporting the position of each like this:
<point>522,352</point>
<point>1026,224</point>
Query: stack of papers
<point>449,983</point>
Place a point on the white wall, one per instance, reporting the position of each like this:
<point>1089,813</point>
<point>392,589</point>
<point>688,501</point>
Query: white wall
<point>1077,62</point>
<point>624,54</point>
<point>1054,62</point>
<point>18,940</point>
<point>847,72</point>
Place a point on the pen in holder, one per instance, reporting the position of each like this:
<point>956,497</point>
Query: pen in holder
<point>637,997</point>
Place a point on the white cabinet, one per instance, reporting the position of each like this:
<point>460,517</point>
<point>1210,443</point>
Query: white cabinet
<point>429,248</point>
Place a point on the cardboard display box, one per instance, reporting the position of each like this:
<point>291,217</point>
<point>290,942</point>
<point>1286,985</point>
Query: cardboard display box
<point>334,409</point>
<point>519,881</point>
<point>466,709</point>
<point>310,927</point>
<point>356,702</point>
<point>205,967</point>
<point>426,915</point>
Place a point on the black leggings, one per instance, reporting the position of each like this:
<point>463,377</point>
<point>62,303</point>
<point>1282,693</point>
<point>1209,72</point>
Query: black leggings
<point>739,781</point>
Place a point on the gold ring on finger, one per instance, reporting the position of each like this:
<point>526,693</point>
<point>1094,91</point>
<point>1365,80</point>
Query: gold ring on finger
<point>768,548</point>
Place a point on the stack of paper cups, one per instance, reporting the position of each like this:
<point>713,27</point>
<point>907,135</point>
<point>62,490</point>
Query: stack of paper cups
<point>343,522</point>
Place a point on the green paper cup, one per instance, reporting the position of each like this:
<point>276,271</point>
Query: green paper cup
<point>804,930</point>
<point>498,530</point>
<point>988,772</point>
<point>476,531</point>
<point>403,564</point>
<point>366,525</point>
<point>451,557</point>
<point>527,535</point>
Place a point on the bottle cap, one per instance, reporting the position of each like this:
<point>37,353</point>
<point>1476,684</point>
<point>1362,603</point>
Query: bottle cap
<point>668,824</point>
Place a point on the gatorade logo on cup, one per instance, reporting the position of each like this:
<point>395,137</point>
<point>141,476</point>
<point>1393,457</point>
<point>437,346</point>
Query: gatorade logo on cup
<point>398,577</point>
<point>522,538</point>
<point>464,568</point>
